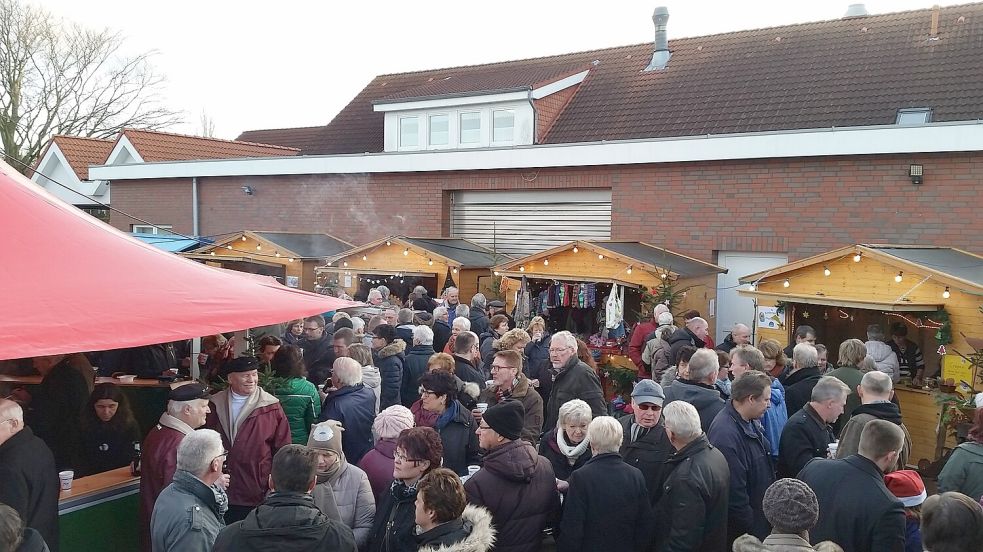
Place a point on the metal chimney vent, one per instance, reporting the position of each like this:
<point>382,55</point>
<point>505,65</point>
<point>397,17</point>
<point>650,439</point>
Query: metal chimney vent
<point>855,10</point>
<point>661,55</point>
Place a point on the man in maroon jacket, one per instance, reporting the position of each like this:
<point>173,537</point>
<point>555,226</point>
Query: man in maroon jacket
<point>637,342</point>
<point>253,427</point>
<point>187,407</point>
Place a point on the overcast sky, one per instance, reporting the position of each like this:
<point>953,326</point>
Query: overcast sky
<point>251,64</point>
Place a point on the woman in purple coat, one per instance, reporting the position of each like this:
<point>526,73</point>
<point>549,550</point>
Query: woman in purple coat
<point>378,462</point>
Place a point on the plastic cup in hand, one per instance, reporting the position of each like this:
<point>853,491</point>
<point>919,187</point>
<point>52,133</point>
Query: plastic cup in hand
<point>833,448</point>
<point>66,478</point>
<point>473,470</point>
<point>481,407</point>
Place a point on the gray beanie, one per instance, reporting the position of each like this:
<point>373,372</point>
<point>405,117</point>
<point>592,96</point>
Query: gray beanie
<point>790,506</point>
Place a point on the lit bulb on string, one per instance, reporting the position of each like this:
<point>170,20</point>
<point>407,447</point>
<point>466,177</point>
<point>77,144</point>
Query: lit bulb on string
<point>406,251</point>
<point>430,262</point>
<point>663,275</point>
<point>259,247</point>
<point>522,269</point>
<point>229,247</point>
<point>291,259</point>
<point>244,237</point>
<point>546,262</point>
<point>946,294</point>
<point>495,273</point>
<point>752,287</point>
<point>899,277</point>
<point>455,270</point>
<point>365,257</point>
<point>388,242</point>
<point>629,269</point>
<point>213,253</point>
<point>786,283</point>
<point>856,258</point>
<point>345,263</point>
<point>277,254</point>
<point>576,249</point>
<point>599,256</point>
<point>826,271</point>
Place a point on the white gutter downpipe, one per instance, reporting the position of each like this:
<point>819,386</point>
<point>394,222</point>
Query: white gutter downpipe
<point>194,206</point>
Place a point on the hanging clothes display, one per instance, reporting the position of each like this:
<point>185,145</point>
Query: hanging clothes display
<point>522,313</point>
<point>615,308</point>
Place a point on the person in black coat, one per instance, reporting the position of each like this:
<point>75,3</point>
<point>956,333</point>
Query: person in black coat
<point>607,505</point>
<point>288,519</point>
<point>28,477</point>
<point>737,433</point>
<point>692,511</point>
<point>456,426</point>
<point>692,334</point>
<point>109,431</point>
<point>415,364</point>
<point>804,376</point>
<point>388,356</point>
<point>645,444</point>
<point>441,329</point>
<point>465,353</point>
<point>318,346</point>
<point>566,445</point>
<point>15,537</point>
<point>808,432</point>
<point>353,405</point>
<point>856,509</point>
<point>477,315</point>
<point>56,408</point>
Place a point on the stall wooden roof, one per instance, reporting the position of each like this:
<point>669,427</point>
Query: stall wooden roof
<point>288,244</point>
<point>456,252</point>
<point>946,264</point>
<point>638,254</point>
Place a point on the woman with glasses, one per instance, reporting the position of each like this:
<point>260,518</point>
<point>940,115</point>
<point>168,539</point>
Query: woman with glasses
<point>109,431</point>
<point>295,332</point>
<point>341,484</point>
<point>511,383</point>
<point>514,483</point>
<point>438,394</point>
<point>418,452</point>
<point>566,446</point>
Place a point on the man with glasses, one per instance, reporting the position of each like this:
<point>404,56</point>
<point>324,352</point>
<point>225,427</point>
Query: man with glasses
<point>188,513</point>
<point>511,383</point>
<point>574,379</point>
<point>645,444</point>
<point>318,346</point>
<point>28,477</point>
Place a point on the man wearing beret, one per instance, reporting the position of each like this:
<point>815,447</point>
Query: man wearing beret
<point>253,427</point>
<point>498,307</point>
<point>187,407</point>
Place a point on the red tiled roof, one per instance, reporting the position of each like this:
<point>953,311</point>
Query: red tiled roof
<point>301,138</point>
<point>839,73</point>
<point>81,152</point>
<point>486,81</point>
<point>156,146</point>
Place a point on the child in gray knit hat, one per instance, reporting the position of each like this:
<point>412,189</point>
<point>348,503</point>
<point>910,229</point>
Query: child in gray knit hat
<point>792,509</point>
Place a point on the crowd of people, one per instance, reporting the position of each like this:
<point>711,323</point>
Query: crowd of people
<point>441,426</point>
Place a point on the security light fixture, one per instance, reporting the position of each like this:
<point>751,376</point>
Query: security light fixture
<point>248,190</point>
<point>915,173</point>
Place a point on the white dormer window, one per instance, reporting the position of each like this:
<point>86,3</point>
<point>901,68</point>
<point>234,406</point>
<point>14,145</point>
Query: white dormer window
<point>470,127</point>
<point>914,116</point>
<point>503,126</point>
<point>409,132</point>
<point>439,130</point>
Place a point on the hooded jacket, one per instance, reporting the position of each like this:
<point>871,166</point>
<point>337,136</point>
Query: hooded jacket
<point>657,351</point>
<point>532,404</point>
<point>648,453</point>
<point>29,483</point>
<point>963,472</point>
<point>286,522</point>
<point>160,444</point>
<point>693,507</point>
<point>681,338</point>
<point>389,360</point>
<point>472,532</point>
<point>798,388</point>
<point>519,488</point>
<point>252,440</point>
<point>414,366</point>
<point>352,496</point>
<point>706,399</point>
<point>187,516</point>
<point>884,358</point>
<point>850,436</point>
<point>746,449</point>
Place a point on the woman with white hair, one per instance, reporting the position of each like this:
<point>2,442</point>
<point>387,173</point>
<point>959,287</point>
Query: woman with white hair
<point>460,324</point>
<point>353,404</point>
<point>607,505</point>
<point>566,446</point>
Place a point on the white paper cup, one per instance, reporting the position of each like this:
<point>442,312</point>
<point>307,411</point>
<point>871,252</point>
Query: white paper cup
<point>481,407</point>
<point>833,448</point>
<point>66,479</point>
<point>473,470</point>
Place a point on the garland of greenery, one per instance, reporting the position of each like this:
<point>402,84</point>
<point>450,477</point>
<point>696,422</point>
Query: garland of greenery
<point>943,336</point>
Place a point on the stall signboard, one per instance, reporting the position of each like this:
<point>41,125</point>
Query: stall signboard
<point>957,369</point>
<point>770,318</point>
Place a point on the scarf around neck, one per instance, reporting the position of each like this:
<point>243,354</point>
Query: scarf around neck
<point>572,452</point>
<point>334,472</point>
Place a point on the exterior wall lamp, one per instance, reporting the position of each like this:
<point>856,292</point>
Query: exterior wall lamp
<point>915,173</point>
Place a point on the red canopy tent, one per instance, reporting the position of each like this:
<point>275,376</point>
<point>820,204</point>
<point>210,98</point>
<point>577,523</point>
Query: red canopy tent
<point>71,283</point>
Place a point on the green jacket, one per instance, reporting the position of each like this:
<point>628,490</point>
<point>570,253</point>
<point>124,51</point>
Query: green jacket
<point>851,376</point>
<point>302,405</point>
<point>964,471</point>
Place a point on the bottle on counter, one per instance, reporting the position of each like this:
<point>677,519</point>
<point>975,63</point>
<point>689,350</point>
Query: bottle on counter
<point>135,463</point>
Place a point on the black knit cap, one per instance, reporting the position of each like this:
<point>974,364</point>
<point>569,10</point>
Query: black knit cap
<point>242,364</point>
<point>506,418</point>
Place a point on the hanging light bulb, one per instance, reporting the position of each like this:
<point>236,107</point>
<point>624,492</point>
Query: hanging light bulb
<point>629,269</point>
<point>826,271</point>
<point>599,256</point>
<point>752,287</point>
<point>899,277</point>
<point>406,251</point>
<point>546,262</point>
<point>388,242</point>
<point>856,258</point>
<point>213,253</point>
<point>365,257</point>
<point>277,254</point>
<point>291,259</point>
<point>259,247</point>
<point>243,237</point>
<point>664,276</point>
<point>229,247</point>
<point>455,270</point>
<point>522,269</point>
<point>430,262</point>
<point>576,249</point>
<point>786,283</point>
<point>345,263</point>
<point>946,294</point>
<point>495,273</point>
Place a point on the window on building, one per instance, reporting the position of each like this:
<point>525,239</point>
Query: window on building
<point>159,230</point>
<point>409,132</point>
<point>439,130</point>
<point>503,124</point>
<point>470,127</point>
<point>914,116</point>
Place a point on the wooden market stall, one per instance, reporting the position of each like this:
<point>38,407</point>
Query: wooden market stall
<point>290,257</point>
<point>637,266</point>
<point>402,262</point>
<point>937,292</point>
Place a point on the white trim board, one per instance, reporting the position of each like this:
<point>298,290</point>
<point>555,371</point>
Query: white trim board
<point>875,140</point>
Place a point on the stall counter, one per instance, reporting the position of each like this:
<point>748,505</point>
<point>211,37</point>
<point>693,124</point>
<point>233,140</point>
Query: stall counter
<point>921,415</point>
<point>99,513</point>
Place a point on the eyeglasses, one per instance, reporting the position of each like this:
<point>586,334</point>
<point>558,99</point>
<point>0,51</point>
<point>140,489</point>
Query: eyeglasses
<point>427,392</point>
<point>649,406</point>
<point>314,329</point>
<point>497,367</point>
<point>8,420</point>
<point>224,453</point>
<point>400,457</point>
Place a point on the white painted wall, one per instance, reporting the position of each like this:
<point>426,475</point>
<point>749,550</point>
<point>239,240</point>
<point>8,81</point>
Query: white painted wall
<point>731,307</point>
<point>71,190</point>
<point>524,129</point>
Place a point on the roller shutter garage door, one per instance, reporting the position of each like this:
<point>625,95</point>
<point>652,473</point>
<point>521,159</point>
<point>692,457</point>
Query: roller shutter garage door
<point>519,223</point>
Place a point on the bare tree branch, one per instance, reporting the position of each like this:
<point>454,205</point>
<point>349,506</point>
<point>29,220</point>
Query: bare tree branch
<point>61,78</point>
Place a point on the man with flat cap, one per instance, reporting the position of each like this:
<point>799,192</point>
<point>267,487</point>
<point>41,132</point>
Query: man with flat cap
<point>253,427</point>
<point>187,406</point>
<point>498,307</point>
